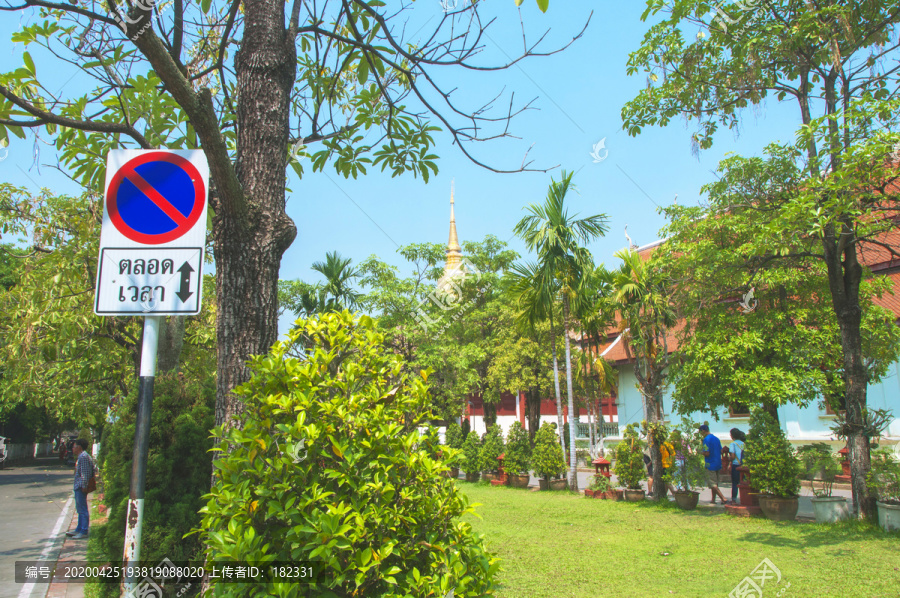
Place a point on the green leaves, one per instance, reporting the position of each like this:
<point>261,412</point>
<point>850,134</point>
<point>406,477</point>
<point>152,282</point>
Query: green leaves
<point>774,466</point>
<point>629,464</point>
<point>542,4</point>
<point>368,502</point>
<point>547,457</point>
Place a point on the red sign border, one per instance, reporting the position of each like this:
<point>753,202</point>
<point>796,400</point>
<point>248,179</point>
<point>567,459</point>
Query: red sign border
<point>179,231</point>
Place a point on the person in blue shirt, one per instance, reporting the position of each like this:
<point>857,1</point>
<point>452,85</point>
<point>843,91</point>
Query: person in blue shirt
<point>736,448</point>
<point>713,457</point>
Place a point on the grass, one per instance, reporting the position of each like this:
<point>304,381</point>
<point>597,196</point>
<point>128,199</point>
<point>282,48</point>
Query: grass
<point>558,544</point>
<point>92,589</point>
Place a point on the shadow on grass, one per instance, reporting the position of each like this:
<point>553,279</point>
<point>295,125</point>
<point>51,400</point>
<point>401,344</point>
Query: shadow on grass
<point>810,535</point>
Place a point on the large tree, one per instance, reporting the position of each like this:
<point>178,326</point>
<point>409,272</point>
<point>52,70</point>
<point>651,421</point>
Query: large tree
<point>534,293</point>
<point>254,84</point>
<point>559,238</point>
<point>759,331</point>
<point>837,63</point>
<point>647,316</point>
<point>56,353</point>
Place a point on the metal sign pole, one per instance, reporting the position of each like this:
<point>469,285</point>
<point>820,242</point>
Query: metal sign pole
<point>135,511</point>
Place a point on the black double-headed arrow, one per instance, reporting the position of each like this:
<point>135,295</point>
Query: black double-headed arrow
<point>183,292</point>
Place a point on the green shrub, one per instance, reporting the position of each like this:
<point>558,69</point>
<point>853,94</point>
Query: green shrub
<point>818,464</point>
<point>471,457</point>
<point>454,437</point>
<point>884,477</point>
<point>330,468</point>
<point>492,449</point>
<point>518,450</point>
<point>85,434</point>
<point>629,467</point>
<point>600,482</point>
<point>178,471</point>
<point>547,458</point>
<point>774,468</point>
<point>465,427</point>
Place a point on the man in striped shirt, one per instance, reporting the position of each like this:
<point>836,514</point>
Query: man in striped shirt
<point>84,471</point>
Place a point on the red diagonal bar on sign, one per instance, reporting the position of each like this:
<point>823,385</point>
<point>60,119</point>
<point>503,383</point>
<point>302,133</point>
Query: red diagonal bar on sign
<point>161,202</point>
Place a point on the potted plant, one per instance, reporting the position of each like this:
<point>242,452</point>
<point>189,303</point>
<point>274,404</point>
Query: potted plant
<point>454,439</point>
<point>629,466</point>
<point>547,459</point>
<point>491,451</point>
<point>471,461</point>
<point>688,472</point>
<point>774,468</point>
<point>884,479</point>
<point>600,487</point>
<point>518,454</point>
<point>819,465</point>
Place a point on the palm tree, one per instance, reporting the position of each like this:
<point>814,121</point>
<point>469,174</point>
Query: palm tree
<point>596,316</point>
<point>339,274</point>
<point>559,239</point>
<point>534,294</point>
<point>643,302</point>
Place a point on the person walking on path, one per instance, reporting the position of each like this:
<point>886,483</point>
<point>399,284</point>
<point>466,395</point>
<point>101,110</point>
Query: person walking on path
<point>736,448</point>
<point>84,471</point>
<point>713,457</point>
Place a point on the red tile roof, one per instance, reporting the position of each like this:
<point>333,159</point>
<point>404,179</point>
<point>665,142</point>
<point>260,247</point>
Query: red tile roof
<point>876,257</point>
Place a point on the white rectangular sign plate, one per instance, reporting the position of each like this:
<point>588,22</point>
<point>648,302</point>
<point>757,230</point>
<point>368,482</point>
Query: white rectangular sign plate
<point>149,282</point>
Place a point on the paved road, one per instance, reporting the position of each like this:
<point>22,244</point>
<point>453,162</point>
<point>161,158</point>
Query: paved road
<point>34,501</point>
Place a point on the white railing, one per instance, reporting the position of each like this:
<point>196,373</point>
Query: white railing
<point>609,429</point>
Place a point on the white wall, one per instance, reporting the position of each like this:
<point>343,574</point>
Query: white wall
<point>802,425</point>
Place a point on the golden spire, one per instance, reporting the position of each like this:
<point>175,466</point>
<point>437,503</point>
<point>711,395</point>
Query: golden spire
<point>454,251</point>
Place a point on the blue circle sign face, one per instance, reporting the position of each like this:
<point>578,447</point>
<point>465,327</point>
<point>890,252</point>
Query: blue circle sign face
<point>155,198</point>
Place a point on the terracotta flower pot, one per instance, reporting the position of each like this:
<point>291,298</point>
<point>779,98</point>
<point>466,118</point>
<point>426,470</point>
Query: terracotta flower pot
<point>454,473</point>
<point>473,476</point>
<point>687,499</point>
<point>777,508</point>
<point>634,495</point>
<point>613,495</point>
<point>518,481</point>
<point>589,494</point>
<point>560,484</point>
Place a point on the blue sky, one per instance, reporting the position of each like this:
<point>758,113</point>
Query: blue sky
<point>579,95</point>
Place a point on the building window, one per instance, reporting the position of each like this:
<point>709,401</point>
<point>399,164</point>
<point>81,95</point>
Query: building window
<point>739,410</point>
<point>830,411</point>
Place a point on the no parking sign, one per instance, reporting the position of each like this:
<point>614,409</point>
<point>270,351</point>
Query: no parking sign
<point>153,234</point>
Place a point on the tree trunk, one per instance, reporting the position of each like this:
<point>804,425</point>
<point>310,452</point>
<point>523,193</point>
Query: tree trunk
<point>844,277</point>
<point>600,421</point>
<point>249,243</point>
<point>573,469</point>
<point>659,487</point>
<point>490,413</point>
<point>590,413</point>
<point>589,370</point>
<point>533,407</point>
<point>559,414</point>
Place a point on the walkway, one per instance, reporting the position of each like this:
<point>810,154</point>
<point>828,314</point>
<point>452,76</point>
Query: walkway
<point>37,506</point>
<point>805,512</point>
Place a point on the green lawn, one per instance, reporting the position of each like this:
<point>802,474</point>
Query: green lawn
<point>558,544</point>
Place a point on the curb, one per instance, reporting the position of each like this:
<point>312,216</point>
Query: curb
<point>71,550</point>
